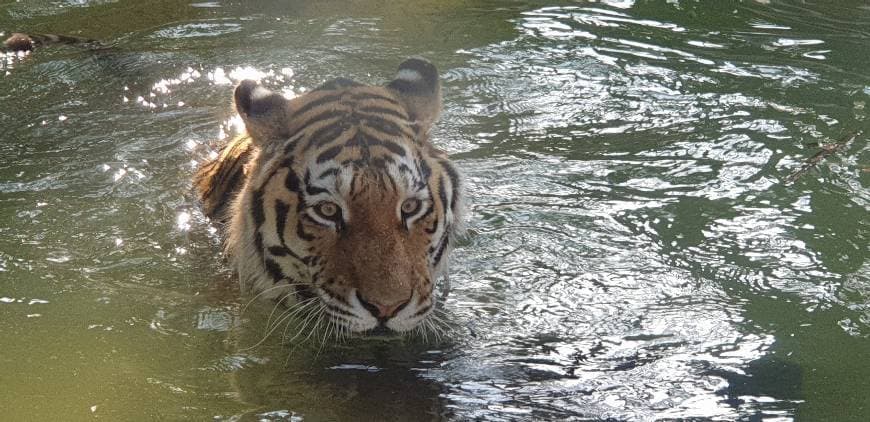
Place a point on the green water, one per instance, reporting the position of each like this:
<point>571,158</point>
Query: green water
<point>633,250</point>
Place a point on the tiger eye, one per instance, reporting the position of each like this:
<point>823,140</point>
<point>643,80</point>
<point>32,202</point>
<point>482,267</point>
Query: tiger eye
<point>327,209</point>
<point>410,206</point>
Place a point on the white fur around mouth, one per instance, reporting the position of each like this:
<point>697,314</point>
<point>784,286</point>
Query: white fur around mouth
<point>363,321</point>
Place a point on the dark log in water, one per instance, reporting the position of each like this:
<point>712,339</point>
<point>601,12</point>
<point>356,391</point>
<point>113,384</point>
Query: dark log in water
<point>27,42</point>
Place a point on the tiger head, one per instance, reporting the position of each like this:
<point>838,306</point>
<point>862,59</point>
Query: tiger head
<point>346,205</point>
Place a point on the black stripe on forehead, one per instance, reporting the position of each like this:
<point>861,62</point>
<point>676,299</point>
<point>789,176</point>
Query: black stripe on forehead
<point>372,96</point>
<point>387,127</point>
<point>312,104</point>
<point>376,128</point>
<point>325,135</point>
<point>309,188</point>
<point>326,115</point>
<point>394,112</point>
<point>393,147</point>
<point>329,154</point>
<point>365,140</point>
<point>387,105</point>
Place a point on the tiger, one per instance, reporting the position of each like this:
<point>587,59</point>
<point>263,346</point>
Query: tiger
<point>336,201</point>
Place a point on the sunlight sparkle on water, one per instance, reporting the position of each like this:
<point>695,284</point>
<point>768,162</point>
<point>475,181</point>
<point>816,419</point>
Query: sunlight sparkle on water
<point>236,123</point>
<point>632,252</point>
<point>220,77</point>
<point>188,75</point>
<point>182,221</point>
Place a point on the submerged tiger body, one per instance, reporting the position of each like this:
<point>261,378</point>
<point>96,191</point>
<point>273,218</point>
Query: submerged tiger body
<point>337,201</point>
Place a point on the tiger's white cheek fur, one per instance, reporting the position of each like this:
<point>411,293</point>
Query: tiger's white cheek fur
<point>364,319</point>
<point>407,319</point>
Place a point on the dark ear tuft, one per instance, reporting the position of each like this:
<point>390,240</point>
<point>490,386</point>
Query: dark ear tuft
<point>416,76</point>
<point>255,101</point>
<point>417,83</point>
<point>265,112</point>
<point>242,96</point>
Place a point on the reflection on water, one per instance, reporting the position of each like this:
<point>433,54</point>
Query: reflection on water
<point>633,250</point>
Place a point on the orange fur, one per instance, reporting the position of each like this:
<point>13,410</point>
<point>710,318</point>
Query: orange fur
<point>364,151</point>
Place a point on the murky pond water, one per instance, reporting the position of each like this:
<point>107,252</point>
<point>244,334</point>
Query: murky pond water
<point>634,251</point>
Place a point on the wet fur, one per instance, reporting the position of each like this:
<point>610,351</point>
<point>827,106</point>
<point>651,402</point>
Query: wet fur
<point>365,148</point>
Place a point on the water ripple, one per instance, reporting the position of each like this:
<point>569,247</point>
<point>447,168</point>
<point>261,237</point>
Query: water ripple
<point>633,251</point>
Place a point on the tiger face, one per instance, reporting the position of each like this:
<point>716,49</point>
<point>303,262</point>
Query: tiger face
<point>345,206</point>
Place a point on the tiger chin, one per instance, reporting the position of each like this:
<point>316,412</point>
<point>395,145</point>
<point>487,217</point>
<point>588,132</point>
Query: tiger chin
<point>336,202</point>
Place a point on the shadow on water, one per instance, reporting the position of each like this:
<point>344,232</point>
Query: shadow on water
<point>375,378</point>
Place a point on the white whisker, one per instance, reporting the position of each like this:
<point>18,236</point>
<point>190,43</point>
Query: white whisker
<point>329,324</point>
<point>279,303</point>
<point>253,299</point>
<point>307,320</point>
<point>319,314</point>
<point>288,314</point>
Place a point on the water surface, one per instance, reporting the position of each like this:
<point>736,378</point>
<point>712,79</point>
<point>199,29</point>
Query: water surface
<point>634,251</point>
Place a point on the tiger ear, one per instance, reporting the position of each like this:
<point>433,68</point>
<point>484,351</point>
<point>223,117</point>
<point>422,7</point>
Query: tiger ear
<point>417,84</point>
<point>266,114</point>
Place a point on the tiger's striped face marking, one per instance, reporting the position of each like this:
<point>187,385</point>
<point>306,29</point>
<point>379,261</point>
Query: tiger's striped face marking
<point>345,203</point>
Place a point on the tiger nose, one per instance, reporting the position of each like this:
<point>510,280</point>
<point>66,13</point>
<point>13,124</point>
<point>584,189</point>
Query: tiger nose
<point>382,311</point>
